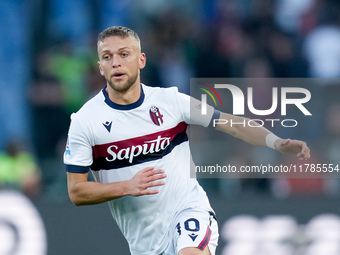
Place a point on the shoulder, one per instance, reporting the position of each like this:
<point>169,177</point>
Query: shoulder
<point>92,106</point>
<point>160,92</point>
<point>149,89</point>
<point>170,95</point>
<point>88,114</point>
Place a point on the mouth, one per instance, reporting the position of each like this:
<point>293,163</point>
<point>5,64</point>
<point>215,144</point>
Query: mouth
<point>118,75</point>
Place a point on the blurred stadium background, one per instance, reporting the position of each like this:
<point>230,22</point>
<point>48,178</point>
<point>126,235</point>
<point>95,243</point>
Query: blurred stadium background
<point>48,69</point>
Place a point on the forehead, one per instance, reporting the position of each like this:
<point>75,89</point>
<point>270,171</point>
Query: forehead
<point>114,43</point>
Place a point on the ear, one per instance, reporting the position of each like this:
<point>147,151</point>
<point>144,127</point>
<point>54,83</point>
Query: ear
<point>142,61</point>
<point>100,69</point>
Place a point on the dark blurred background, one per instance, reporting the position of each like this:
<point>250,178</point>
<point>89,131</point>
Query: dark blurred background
<point>49,69</point>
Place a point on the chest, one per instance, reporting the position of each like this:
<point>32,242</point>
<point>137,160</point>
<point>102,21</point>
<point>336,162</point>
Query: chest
<point>144,122</point>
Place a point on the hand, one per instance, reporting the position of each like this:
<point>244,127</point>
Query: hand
<point>144,179</point>
<point>288,146</point>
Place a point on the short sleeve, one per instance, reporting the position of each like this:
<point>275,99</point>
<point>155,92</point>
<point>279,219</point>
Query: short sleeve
<point>191,110</point>
<point>78,152</point>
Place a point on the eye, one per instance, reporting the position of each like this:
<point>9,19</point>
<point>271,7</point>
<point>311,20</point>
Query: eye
<point>124,54</point>
<point>106,57</point>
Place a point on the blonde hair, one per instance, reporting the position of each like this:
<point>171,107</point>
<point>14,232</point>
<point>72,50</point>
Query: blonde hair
<point>118,31</point>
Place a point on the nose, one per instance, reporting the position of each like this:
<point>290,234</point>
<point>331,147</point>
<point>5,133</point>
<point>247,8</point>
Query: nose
<point>115,61</point>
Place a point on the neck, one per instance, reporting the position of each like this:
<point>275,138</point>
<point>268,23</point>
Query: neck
<point>124,98</point>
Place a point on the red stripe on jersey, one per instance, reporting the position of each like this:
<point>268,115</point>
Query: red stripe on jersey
<point>101,150</point>
<point>206,239</point>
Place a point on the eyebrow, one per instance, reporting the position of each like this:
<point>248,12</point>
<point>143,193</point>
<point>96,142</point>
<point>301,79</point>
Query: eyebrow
<point>124,48</point>
<point>120,49</point>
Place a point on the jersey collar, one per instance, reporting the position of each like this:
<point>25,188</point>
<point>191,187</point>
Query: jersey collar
<point>124,107</point>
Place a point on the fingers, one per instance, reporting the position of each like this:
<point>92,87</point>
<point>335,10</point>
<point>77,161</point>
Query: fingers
<point>148,191</point>
<point>155,173</point>
<point>149,171</point>
<point>153,180</point>
<point>305,152</point>
<point>149,178</point>
<point>150,174</point>
<point>301,149</point>
<point>297,147</point>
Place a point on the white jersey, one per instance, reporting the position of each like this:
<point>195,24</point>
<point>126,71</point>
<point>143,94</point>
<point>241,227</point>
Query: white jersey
<point>117,141</point>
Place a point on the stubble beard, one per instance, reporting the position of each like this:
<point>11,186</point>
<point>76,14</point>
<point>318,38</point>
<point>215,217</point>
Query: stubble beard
<point>122,88</point>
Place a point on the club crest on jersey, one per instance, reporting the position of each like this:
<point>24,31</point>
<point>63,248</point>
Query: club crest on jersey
<point>156,116</point>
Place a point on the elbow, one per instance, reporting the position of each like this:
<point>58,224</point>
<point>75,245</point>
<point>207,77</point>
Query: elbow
<point>77,203</point>
<point>75,199</point>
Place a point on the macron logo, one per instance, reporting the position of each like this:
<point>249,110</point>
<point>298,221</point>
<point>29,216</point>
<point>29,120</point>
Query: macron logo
<point>193,236</point>
<point>107,125</point>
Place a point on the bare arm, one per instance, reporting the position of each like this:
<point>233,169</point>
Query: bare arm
<point>257,135</point>
<point>84,192</point>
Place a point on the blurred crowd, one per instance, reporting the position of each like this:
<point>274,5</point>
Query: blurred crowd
<point>50,46</point>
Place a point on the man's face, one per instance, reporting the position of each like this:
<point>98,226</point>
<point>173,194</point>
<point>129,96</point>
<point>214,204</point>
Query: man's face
<point>119,62</point>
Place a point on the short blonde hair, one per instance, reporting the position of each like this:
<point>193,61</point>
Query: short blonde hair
<point>118,31</point>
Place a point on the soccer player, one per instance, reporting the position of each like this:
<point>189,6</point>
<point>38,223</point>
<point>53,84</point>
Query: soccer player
<point>133,138</point>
